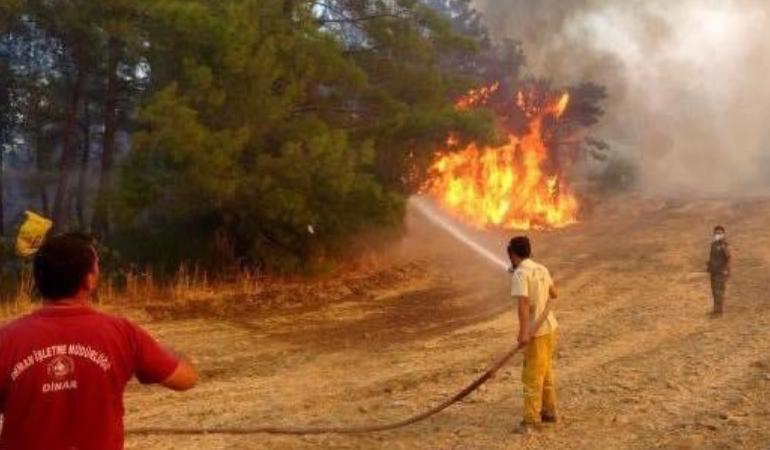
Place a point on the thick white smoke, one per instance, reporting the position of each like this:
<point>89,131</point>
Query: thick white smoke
<point>689,81</point>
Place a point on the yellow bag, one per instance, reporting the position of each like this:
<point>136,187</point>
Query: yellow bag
<point>32,232</point>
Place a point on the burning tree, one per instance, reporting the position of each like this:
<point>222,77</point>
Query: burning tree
<point>524,179</point>
<point>523,182</point>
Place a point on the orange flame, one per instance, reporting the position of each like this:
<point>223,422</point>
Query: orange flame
<point>477,96</point>
<point>505,186</point>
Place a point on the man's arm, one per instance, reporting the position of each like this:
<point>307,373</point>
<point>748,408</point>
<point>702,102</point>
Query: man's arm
<point>553,293</point>
<point>158,364</point>
<point>184,378</point>
<point>524,333</point>
<point>729,257</point>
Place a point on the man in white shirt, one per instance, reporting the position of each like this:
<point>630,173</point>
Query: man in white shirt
<point>534,291</point>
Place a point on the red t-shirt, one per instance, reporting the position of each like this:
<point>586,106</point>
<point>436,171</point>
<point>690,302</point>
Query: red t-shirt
<point>63,371</point>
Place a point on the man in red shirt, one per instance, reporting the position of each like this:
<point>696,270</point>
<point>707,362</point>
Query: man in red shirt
<point>63,368</point>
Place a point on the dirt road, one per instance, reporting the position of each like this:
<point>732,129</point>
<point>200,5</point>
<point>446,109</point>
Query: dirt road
<point>640,365</point>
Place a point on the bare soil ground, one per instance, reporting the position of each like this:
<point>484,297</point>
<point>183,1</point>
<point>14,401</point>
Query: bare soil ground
<point>640,363</point>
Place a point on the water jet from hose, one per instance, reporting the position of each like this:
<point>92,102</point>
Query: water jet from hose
<point>427,210</point>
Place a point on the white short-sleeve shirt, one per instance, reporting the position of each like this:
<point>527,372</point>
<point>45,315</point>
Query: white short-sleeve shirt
<point>532,280</point>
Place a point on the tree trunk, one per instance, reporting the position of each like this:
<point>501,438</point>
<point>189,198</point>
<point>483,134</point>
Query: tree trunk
<point>288,8</point>
<point>40,159</point>
<point>45,204</point>
<point>101,221</point>
<point>83,174</point>
<point>2,185</point>
<point>68,150</point>
<point>5,131</point>
<point>5,128</point>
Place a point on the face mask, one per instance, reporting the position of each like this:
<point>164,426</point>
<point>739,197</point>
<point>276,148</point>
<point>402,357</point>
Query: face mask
<point>719,237</point>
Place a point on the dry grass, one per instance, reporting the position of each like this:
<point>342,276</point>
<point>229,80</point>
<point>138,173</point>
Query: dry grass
<point>20,298</point>
<point>141,288</point>
<point>187,285</point>
<point>190,287</point>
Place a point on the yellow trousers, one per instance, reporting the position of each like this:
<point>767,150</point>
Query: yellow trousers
<point>537,377</point>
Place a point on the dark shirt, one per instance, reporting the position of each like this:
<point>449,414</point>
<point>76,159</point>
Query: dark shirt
<point>718,261</point>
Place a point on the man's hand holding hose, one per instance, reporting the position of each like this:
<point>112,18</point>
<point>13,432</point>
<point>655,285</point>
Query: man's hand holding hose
<point>526,333</point>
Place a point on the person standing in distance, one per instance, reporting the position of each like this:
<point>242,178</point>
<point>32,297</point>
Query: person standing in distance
<point>718,266</point>
<point>64,367</point>
<point>532,289</point>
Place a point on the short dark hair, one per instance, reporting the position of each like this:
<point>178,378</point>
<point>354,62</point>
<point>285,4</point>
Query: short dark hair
<point>520,247</point>
<point>62,264</point>
<point>719,228</point>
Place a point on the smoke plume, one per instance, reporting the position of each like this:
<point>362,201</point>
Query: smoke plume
<point>688,80</point>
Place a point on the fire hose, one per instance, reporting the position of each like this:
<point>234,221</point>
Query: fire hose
<point>304,431</point>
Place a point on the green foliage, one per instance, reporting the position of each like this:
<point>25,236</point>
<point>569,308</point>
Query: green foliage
<point>285,130</point>
<point>180,165</point>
